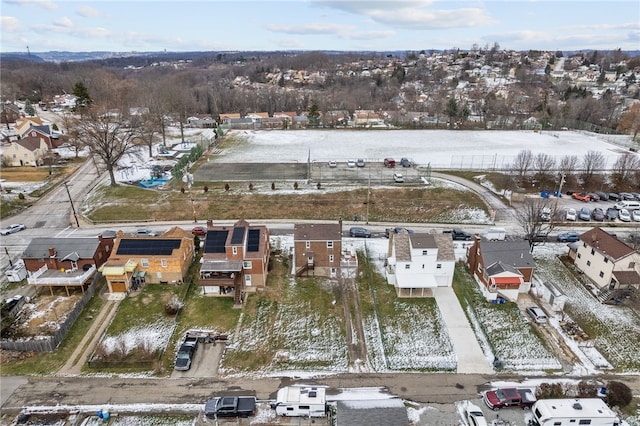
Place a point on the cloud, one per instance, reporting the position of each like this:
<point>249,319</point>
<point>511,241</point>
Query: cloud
<point>40,4</point>
<point>604,27</point>
<point>413,15</point>
<point>63,22</point>
<point>527,39</point>
<point>10,24</point>
<point>311,29</point>
<point>87,12</point>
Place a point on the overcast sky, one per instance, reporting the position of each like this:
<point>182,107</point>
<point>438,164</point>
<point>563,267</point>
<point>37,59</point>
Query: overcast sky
<point>267,25</point>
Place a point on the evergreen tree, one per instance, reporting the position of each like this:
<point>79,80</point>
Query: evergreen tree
<point>81,93</point>
<point>314,116</point>
<point>29,109</point>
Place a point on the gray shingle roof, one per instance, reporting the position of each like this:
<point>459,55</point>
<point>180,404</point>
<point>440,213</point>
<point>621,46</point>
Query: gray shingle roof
<point>39,247</point>
<point>387,412</point>
<point>513,253</point>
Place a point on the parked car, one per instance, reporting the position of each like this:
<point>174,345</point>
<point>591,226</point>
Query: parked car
<point>612,213</point>
<point>398,178</point>
<point>184,358</point>
<point>626,196</point>
<point>603,196</point>
<point>581,196</point>
<point>360,162</point>
<point>360,232</point>
<point>613,196</point>
<point>568,237</point>
<point>14,227</point>
<point>474,415</point>
<point>624,215</point>
<point>389,162</point>
<point>571,214</point>
<point>545,214</point>
<point>230,406</point>
<point>145,232</point>
<point>585,214</point>
<point>537,314</point>
<point>636,196</point>
<point>635,215</point>
<point>593,196</point>
<point>597,214</point>
<point>458,234</point>
<point>109,234</point>
<point>200,231</point>
<point>396,230</point>
<point>333,164</point>
<point>351,163</point>
<point>509,397</point>
<point>405,162</point>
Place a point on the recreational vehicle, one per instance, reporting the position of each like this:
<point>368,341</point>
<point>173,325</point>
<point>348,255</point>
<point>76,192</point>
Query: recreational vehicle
<point>572,412</point>
<point>301,401</point>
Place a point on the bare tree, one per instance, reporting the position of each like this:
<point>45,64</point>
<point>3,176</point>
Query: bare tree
<point>108,137</point>
<point>591,163</point>
<point>522,163</point>
<point>630,121</point>
<point>568,164</point>
<point>543,165</point>
<point>624,170</point>
<point>69,129</point>
<point>536,221</point>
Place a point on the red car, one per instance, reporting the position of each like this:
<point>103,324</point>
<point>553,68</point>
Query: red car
<point>581,196</point>
<point>509,397</point>
<point>200,231</point>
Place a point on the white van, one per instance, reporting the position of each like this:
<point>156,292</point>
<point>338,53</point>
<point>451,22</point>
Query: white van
<point>627,204</point>
<point>496,234</point>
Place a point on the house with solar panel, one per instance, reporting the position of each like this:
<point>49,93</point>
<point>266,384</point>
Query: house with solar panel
<point>139,260</point>
<point>502,269</point>
<point>235,260</point>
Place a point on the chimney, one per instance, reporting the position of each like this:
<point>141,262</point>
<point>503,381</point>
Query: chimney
<point>52,252</point>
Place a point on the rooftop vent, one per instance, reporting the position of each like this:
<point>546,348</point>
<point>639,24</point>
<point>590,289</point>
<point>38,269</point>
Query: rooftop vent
<point>577,406</point>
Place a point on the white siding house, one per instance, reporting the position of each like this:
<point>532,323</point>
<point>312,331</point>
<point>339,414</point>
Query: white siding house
<point>419,263</point>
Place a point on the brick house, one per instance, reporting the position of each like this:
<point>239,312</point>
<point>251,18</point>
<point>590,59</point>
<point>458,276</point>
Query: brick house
<point>501,268</point>
<point>607,261</point>
<point>65,262</point>
<point>43,132</point>
<point>9,114</point>
<point>419,263</point>
<point>135,261</point>
<point>235,259</point>
<point>317,249</point>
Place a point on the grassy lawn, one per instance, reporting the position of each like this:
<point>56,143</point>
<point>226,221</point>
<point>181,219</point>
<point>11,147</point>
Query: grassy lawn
<point>293,325</point>
<point>615,330</point>
<point>402,334</point>
<point>502,329</point>
<point>408,204</point>
<point>45,363</point>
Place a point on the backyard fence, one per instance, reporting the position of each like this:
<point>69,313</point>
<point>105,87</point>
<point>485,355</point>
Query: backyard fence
<point>50,343</point>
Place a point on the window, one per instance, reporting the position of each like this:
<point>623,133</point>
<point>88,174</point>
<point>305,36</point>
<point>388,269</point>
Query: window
<point>588,263</point>
<point>479,268</point>
<point>585,422</point>
<point>606,260</point>
<point>407,266</point>
<point>145,263</point>
<point>106,248</point>
<point>330,258</point>
<point>439,266</point>
<point>425,252</point>
<point>99,255</point>
<point>423,266</point>
<point>329,244</point>
<point>632,265</point>
<point>234,249</point>
<point>307,244</point>
<point>333,272</point>
<point>163,262</point>
<point>593,251</point>
<point>584,245</point>
<point>601,274</point>
<point>579,255</point>
<point>246,265</point>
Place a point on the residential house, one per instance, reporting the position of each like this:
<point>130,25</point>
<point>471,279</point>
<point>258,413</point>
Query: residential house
<point>23,124</point>
<point>135,261</point>
<point>607,261</point>
<point>202,121</point>
<point>502,269</point>
<point>65,262</point>
<point>44,132</point>
<point>418,263</point>
<point>235,259</point>
<point>317,249</point>
<point>10,113</point>
<point>26,152</point>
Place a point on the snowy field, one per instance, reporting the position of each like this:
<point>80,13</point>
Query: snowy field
<point>440,148</point>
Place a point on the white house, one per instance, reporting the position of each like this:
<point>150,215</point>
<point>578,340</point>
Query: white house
<point>418,263</point>
<point>607,261</point>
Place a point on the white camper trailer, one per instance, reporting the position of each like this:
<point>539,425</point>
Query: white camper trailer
<point>301,401</point>
<point>496,234</point>
<point>571,412</point>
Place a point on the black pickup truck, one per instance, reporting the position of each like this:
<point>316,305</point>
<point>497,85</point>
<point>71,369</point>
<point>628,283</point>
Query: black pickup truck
<point>185,354</point>
<point>230,406</point>
<point>458,234</point>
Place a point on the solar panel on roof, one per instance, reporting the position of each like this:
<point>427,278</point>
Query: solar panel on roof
<point>238,235</point>
<point>253,242</point>
<point>148,247</point>
<point>215,241</point>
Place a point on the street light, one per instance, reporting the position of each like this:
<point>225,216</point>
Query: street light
<point>71,201</point>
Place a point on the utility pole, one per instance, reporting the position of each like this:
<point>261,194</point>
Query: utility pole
<point>72,207</point>
<point>555,206</point>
